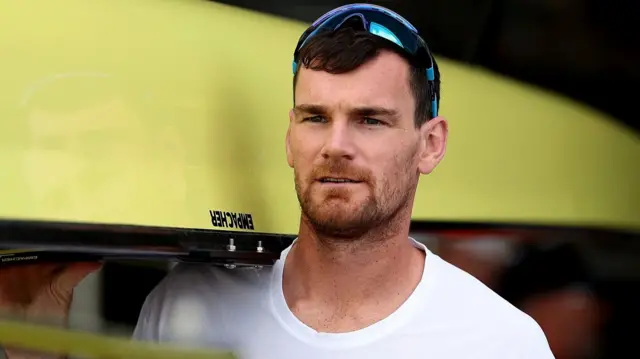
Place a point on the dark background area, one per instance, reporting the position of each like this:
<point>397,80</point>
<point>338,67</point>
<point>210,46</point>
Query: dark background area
<point>587,50</point>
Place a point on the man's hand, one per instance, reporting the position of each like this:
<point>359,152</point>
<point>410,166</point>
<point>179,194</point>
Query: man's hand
<point>41,293</point>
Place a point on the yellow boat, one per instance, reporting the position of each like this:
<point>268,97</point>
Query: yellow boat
<point>172,114</point>
<point>155,113</point>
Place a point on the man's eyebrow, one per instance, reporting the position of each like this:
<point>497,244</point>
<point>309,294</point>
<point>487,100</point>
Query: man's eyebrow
<point>374,111</point>
<point>357,111</point>
<point>311,109</point>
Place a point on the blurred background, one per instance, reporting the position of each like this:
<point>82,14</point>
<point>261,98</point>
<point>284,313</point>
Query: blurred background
<point>581,284</point>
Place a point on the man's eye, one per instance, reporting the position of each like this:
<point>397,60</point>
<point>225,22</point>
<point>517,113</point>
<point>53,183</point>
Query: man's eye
<point>371,121</point>
<point>315,119</point>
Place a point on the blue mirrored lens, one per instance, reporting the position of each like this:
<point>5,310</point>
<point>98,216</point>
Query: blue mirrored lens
<point>383,32</point>
<point>377,22</point>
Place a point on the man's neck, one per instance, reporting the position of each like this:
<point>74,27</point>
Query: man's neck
<point>346,286</point>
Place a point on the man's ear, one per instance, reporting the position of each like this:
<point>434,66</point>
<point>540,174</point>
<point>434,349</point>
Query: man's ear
<point>288,139</point>
<point>434,135</point>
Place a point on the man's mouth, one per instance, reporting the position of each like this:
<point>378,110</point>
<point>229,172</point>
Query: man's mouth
<point>337,180</point>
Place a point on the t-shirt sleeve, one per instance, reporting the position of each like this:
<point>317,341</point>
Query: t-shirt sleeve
<point>184,308</point>
<point>534,344</point>
<point>148,325</point>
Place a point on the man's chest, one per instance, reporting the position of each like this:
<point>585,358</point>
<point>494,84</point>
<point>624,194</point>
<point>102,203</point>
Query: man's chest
<point>278,343</point>
<point>412,350</point>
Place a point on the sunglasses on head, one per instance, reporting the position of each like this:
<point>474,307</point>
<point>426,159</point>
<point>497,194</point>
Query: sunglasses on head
<point>381,22</point>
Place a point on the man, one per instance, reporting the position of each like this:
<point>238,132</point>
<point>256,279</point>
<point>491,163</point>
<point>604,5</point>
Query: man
<point>364,127</point>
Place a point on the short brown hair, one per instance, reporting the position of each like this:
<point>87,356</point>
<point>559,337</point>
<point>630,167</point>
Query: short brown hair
<point>347,49</point>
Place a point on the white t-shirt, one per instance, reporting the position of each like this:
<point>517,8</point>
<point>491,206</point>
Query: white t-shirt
<point>450,315</point>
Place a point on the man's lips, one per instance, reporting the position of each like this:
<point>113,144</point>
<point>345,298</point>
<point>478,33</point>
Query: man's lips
<point>337,180</point>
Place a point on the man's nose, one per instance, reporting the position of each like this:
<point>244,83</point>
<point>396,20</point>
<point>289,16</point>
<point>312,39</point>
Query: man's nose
<point>339,141</point>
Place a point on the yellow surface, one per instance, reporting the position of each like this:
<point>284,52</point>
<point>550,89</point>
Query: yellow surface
<point>153,112</point>
<point>90,346</point>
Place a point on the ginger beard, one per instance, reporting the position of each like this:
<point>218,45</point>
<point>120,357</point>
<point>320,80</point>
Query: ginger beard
<point>350,212</point>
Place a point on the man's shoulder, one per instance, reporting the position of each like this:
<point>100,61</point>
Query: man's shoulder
<point>192,297</point>
<point>187,278</point>
<point>478,315</point>
<point>478,306</point>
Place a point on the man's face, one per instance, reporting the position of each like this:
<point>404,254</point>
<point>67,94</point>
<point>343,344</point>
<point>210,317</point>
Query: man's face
<point>354,148</point>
